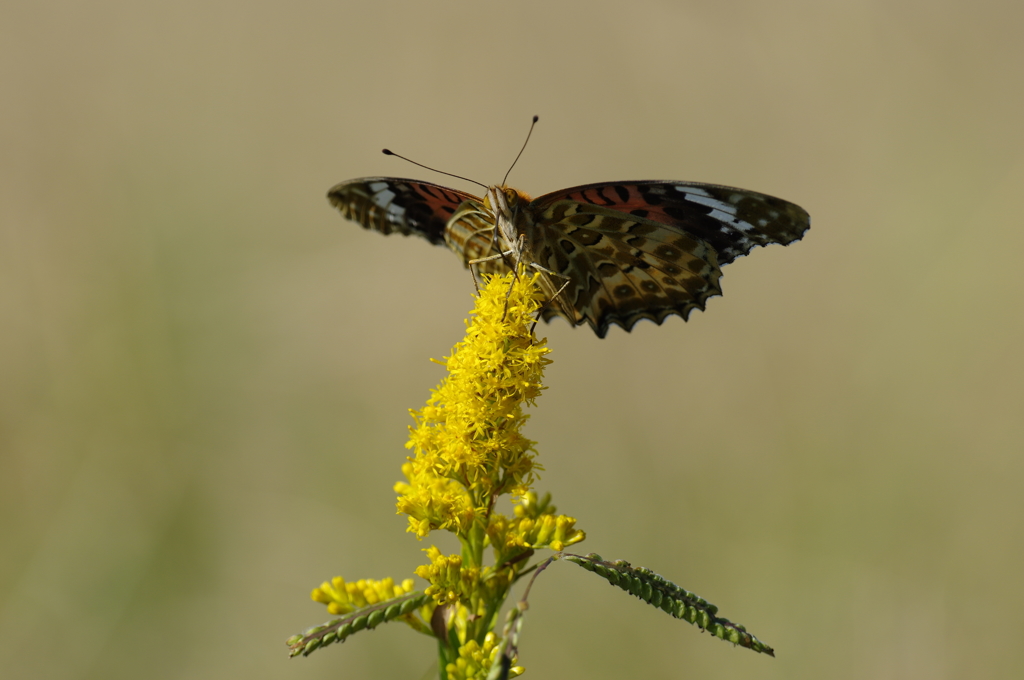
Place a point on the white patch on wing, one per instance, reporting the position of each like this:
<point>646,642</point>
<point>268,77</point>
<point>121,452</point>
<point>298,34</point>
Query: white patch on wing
<point>704,199</point>
<point>384,198</point>
<point>695,191</point>
<point>728,218</point>
<point>382,194</point>
<point>721,211</point>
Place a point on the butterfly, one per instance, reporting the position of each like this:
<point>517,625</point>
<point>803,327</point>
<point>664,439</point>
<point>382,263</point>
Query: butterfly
<point>609,253</point>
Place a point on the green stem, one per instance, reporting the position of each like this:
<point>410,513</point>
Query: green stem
<point>442,660</point>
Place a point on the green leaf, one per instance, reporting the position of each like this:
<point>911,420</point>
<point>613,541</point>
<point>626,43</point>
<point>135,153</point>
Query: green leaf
<point>368,618</point>
<point>669,597</point>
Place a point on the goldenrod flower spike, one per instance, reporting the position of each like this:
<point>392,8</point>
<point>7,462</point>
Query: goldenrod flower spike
<point>469,451</point>
<point>469,431</point>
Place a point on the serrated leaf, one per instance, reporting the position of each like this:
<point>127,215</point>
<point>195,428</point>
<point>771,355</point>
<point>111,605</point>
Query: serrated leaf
<point>667,596</point>
<point>337,630</point>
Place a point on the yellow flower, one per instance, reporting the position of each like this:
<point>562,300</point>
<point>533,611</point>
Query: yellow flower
<point>449,582</point>
<point>475,660</point>
<point>467,439</point>
<point>342,598</point>
<point>433,502</point>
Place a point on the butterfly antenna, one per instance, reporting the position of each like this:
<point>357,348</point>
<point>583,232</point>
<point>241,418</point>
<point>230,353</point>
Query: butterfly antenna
<point>535,119</point>
<point>389,152</point>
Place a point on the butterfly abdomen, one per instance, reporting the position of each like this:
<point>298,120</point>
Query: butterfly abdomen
<point>470,235</point>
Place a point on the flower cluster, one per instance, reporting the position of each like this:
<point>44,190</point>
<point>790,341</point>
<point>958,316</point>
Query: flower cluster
<point>469,452</point>
<point>467,438</point>
<point>342,598</point>
<point>476,659</point>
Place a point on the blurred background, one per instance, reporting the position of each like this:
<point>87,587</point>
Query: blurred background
<point>206,372</point>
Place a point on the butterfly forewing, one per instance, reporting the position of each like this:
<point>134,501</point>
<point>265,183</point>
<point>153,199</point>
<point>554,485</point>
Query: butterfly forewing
<point>405,206</point>
<point>732,220</point>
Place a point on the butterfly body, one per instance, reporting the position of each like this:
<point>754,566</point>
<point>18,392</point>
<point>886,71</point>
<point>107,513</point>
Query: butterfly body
<point>623,251</point>
<point>496,233</point>
<point>481,230</point>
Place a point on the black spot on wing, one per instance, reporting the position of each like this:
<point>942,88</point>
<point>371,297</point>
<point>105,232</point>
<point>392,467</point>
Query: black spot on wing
<point>423,220</point>
<point>688,210</point>
<point>428,208</point>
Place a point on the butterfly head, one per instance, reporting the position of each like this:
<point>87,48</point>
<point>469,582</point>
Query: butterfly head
<point>504,204</point>
<point>504,200</point>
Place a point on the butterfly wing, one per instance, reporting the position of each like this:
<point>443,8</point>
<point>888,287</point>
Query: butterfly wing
<point>621,269</point>
<point>733,221</point>
<point>394,205</point>
<point>628,250</point>
<point>647,250</point>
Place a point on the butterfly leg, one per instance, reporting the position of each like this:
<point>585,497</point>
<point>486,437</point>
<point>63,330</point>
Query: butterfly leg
<point>491,257</point>
<point>473,270</point>
<point>551,273</point>
<point>518,252</point>
<point>476,282</point>
<point>496,248</point>
<point>554,297</point>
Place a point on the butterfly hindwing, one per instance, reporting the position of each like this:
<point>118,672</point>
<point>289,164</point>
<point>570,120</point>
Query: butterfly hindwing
<point>405,206</point>
<point>622,268</point>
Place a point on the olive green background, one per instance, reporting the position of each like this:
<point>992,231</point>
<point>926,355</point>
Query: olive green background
<point>206,372</point>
